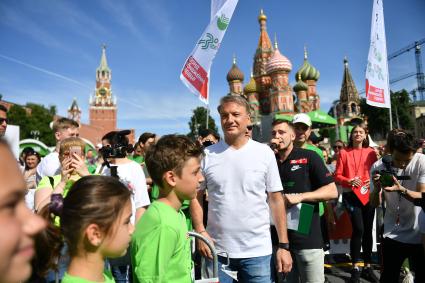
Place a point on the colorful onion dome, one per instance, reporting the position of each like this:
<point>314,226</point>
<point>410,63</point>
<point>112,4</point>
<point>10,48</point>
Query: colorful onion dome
<point>307,71</point>
<point>278,62</point>
<point>235,74</point>
<point>251,87</point>
<point>300,85</point>
<point>262,16</point>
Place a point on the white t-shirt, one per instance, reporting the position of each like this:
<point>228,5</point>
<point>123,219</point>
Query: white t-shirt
<point>131,174</point>
<point>407,231</point>
<point>49,166</point>
<point>238,181</point>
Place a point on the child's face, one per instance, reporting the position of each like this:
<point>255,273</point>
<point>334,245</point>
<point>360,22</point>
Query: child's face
<point>191,177</point>
<point>116,243</point>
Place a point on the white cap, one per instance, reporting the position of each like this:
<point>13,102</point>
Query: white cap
<point>302,118</point>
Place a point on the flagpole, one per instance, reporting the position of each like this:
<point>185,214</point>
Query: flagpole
<point>208,115</point>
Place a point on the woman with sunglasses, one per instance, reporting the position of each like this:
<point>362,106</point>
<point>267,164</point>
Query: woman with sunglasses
<point>352,173</point>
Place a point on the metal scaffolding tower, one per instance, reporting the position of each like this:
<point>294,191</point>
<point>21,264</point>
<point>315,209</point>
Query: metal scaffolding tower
<point>419,71</point>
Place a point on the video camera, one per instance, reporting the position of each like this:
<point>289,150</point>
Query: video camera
<point>388,172</point>
<point>119,146</point>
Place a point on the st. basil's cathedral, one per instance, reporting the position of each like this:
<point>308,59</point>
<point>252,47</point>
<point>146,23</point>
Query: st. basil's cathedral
<point>268,90</point>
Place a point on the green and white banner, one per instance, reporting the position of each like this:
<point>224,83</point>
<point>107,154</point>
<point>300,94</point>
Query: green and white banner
<point>196,70</point>
<point>377,83</point>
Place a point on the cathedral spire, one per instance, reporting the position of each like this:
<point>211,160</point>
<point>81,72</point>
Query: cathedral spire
<point>348,88</point>
<point>264,47</point>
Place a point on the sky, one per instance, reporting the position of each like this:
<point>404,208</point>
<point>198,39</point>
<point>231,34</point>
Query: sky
<point>50,49</point>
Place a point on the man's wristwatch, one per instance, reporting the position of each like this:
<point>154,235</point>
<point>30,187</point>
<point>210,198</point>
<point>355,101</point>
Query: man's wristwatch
<point>284,246</point>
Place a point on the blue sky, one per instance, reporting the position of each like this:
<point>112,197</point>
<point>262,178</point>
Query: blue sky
<point>49,50</point>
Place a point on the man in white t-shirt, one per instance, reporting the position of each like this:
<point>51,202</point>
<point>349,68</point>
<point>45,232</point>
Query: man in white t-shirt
<point>241,176</point>
<point>50,165</point>
<point>402,236</point>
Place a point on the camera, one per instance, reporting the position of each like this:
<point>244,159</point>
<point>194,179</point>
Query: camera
<point>119,146</point>
<point>388,173</point>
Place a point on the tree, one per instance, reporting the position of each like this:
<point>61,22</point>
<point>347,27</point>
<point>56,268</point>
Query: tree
<point>198,122</point>
<point>35,122</point>
<point>378,118</point>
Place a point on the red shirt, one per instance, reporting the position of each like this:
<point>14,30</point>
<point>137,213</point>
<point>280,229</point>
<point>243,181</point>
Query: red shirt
<point>354,162</point>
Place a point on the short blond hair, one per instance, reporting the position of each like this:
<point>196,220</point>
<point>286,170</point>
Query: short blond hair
<point>67,143</point>
<point>63,124</point>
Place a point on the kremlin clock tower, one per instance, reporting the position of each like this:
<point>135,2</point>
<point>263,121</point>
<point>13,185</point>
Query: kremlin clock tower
<point>103,108</point>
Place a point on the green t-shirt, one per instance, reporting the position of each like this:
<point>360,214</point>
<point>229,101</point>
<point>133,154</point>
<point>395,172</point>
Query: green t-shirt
<point>160,250</point>
<point>45,183</point>
<point>74,279</point>
<point>185,206</point>
<point>315,149</point>
<point>139,159</point>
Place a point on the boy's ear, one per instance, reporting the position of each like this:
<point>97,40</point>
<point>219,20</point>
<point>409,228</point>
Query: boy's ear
<point>94,235</point>
<point>169,178</point>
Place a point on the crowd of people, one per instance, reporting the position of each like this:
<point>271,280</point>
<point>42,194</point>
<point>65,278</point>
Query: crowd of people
<point>122,214</point>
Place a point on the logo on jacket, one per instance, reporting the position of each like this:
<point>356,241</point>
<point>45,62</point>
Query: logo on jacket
<point>295,167</point>
<point>299,161</point>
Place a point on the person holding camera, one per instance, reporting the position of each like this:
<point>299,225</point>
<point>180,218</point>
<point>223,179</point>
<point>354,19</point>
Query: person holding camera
<point>116,164</point>
<point>399,178</point>
<point>352,173</point>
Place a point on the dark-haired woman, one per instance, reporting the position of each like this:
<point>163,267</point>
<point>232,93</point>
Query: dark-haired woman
<point>32,158</point>
<point>352,173</point>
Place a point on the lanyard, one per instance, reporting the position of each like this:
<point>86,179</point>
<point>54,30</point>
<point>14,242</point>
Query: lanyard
<point>357,165</point>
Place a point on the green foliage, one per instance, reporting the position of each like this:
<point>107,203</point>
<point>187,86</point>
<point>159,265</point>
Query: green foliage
<point>37,121</point>
<point>378,118</point>
<point>198,122</point>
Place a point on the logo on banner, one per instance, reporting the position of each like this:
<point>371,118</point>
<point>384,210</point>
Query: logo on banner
<point>374,94</point>
<point>209,42</point>
<point>222,22</point>
<point>196,76</point>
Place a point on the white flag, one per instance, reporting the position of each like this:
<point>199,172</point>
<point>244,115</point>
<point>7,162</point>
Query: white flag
<point>377,84</point>
<point>215,6</point>
<point>196,70</point>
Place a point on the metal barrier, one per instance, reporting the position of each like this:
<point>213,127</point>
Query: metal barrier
<point>214,279</point>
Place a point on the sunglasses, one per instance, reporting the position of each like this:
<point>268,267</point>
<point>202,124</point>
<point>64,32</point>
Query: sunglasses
<point>3,120</point>
<point>338,146</point>
<point>250,127</point>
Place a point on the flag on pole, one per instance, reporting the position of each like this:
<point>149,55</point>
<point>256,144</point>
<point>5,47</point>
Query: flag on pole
<point>196,70</point>
<point>377,83</point>
<point>215,6</point>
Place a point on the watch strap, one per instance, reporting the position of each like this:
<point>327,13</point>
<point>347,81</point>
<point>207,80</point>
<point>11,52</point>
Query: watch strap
<point>284,246</point>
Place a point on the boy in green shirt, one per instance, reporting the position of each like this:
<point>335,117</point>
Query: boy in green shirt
<point>160,244</point>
